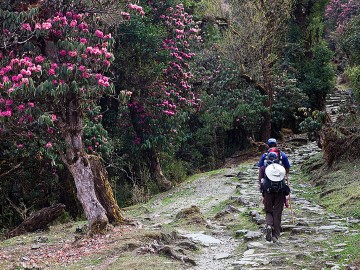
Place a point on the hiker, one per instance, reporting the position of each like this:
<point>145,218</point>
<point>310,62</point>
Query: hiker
<point>273,172</point>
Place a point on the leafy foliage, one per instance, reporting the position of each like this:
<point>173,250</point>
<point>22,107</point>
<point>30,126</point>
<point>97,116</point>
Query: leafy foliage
<point>317,79</point>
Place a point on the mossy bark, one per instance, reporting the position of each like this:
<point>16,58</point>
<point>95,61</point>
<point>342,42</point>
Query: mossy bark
<point>104,191</point>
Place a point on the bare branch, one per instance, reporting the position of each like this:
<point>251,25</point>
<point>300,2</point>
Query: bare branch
<point>12,169</point>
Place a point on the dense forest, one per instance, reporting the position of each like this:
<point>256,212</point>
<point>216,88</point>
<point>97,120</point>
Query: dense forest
<point>105,103</point>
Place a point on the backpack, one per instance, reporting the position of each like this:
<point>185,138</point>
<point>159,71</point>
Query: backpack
<point>274,170</point>
<point>273,155</point>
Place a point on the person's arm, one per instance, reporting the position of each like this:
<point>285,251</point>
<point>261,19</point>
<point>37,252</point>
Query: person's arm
<point>261,170</point>
<point>286,164</point>
<point>260,175</point>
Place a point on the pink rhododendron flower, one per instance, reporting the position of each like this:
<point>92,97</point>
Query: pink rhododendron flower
<point>39,59</point>
<point>25,81</point>
<point>6,113</point>
<point>48,145</point>
<point>57,19</point>
<point>51,71</point>
<point>31,104</point>
<point>125,15</point>
<point>72,53</point>
<point>57,33</point>
<point>106,63</point>
<point>20,145</point>
<point>73,23</point>
<point>103,82</point>
<point>83,40</point>
<point>53,117</point>
<point>83,26</point>
<point>99,34</point>
<point>23,72</point>
<point>26,26</point>
<point>78,16</point>
<point>62,52</point>
<point>46,26</point>
<point>16,78</point>
<point>85,75</point>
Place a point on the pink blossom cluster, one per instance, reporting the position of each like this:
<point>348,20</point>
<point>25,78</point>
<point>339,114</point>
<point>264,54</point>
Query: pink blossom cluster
<point>181,27</point>
<point>18,72</point>
<point>23,74</point>
<point>342,11</point>
<point>137,8</point>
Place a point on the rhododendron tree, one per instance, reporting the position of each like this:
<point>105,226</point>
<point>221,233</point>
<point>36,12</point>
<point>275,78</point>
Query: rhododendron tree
<point>160,89</point>
<point>52,73</point>
<point>341,11</point>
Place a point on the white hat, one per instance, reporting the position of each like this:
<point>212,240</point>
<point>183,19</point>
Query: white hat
<point>275,172</point>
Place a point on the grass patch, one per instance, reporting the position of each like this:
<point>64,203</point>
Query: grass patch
<point>217,208</point>
<point>337,187</point>
<point>146,262</point>
<point>243,221</point>
<point>343,248</point>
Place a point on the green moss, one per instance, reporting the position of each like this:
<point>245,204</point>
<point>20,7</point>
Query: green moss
<point>337,188</point>
<point>146,262</point>
<point>343,248</point>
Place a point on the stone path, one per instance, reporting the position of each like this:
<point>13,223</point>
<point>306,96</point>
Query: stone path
<point>301,243</point>
<point>338,103</point>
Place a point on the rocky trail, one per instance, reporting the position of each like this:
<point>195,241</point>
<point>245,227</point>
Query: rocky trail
<point>225,244</point>
<point>300,243</point>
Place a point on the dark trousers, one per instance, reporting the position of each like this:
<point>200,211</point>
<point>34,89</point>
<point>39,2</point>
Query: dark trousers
<point>274,205</point>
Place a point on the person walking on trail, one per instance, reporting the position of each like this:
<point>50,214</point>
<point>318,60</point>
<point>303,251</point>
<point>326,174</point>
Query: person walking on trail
<point>274,168</point>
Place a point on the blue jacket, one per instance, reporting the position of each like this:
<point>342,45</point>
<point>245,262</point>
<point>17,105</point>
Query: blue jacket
<point>284,160</point>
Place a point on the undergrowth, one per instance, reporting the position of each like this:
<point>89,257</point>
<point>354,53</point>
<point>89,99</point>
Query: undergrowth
<point>337,186</point>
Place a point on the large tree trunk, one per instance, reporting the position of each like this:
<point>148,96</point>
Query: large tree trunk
<point>84,181</point>
<point>156,171</point>
<point>78,164</point>
<point>103,190</point>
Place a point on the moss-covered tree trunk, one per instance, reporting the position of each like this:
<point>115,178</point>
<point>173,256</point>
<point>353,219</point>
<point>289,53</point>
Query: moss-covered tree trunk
<point>156,171</point>
<point>104,191</point>
<point>78,163</point>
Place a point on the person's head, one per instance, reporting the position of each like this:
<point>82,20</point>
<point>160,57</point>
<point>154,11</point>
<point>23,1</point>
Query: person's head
<point>271,142</point>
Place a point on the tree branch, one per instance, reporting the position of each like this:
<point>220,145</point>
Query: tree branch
<point>12,169</point>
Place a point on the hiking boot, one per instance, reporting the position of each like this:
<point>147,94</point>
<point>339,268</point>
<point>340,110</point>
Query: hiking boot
<point>276,240</point>
<point>268,233</point>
